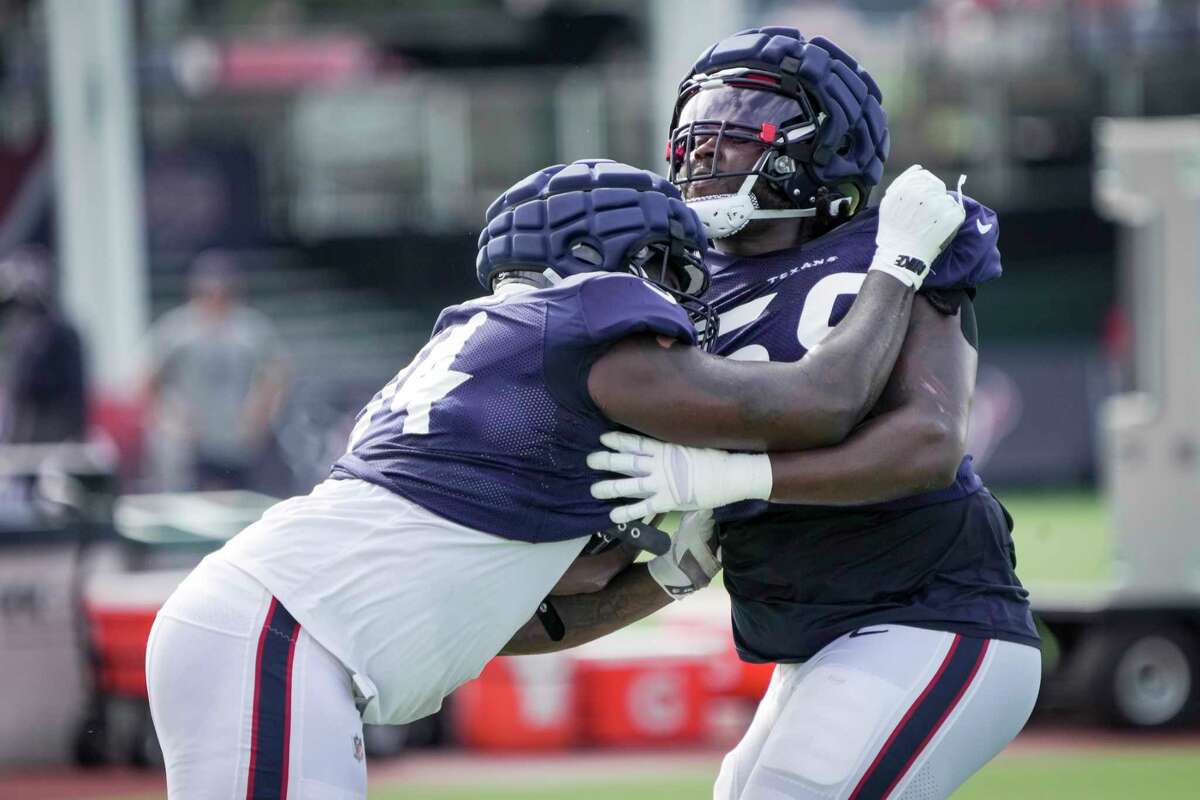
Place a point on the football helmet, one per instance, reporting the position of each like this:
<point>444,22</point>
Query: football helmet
<point>598,215</point>
<point>813,110</point>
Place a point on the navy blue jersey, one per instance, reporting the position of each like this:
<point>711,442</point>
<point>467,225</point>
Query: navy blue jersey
<point>491,423</point>
<point>800,576</point>
<point>779,306</point>
<point>799,582</point>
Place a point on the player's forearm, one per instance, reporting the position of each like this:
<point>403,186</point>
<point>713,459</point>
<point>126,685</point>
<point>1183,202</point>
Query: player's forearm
<point>591,573</point>
<point>898,454</point>
<point>856,359</point>
<point>829,391</point>
<point>915,445</point>
<point>682,395</point>
<point>629,597</point>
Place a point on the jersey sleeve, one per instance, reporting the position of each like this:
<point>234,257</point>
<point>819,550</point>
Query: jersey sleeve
<point>972,257</point>
<point>603,309</point>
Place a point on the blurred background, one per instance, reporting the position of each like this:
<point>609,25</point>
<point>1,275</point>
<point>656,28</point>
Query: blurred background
<point>225,223</point>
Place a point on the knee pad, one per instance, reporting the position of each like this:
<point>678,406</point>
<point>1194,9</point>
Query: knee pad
<point>829,725</point>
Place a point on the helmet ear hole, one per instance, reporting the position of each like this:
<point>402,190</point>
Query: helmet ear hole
<point>587,253</point>
<point>844,145</point>
<point>852,191</point>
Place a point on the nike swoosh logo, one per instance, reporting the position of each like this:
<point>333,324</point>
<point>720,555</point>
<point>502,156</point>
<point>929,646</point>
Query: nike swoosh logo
<point>860,632</point>
<point>983,228</point>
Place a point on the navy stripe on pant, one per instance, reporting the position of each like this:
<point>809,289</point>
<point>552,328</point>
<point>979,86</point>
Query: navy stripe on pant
<point>923,718</point>
<point>270,734</point>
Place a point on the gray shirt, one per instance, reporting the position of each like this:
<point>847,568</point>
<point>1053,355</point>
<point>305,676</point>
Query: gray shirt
<point>207,369</point>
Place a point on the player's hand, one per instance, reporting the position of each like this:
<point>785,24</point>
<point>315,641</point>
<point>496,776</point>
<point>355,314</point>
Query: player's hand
<point>693,559</point>
<point>917,219</point>
<point>673,477</point>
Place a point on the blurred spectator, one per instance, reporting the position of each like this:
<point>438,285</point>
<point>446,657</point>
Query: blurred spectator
<point>215,382</point>
<point>42,387</point>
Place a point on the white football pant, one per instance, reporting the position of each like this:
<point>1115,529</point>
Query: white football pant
<point>886,711</point>
<point>246,703</point>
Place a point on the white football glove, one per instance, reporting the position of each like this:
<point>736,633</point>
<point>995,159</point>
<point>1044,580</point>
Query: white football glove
<point>673,477</point>
<point>917,219</point>
<point>693,559</point>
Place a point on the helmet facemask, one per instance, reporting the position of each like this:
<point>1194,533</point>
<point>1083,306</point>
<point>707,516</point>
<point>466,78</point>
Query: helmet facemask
<point>679,271</point>
<point>744,105</point>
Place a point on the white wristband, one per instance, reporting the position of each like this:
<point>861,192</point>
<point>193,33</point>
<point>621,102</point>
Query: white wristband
<point>747,476</point>
<point>908,270</point>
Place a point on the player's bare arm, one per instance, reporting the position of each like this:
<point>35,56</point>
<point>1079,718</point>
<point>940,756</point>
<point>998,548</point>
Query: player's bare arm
<point>913,442</point>
<point>688,396</point>
<point>691,398</point>
<point>630,596</point>
<point>636,592</point>
<point>917,436</point>
<point>592,572</point>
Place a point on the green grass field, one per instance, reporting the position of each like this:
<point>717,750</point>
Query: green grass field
<point>1103,775</point>
<point>670,789</point>
<point>1061,537</point>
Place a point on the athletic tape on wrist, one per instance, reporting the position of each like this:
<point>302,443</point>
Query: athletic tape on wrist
<point>758,474</point>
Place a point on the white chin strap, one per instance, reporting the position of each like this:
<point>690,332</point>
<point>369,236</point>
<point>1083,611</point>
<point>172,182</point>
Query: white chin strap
<point>726,214</point>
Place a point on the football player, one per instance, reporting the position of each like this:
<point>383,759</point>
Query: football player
<point>463,496</point>
<point>878,573</point>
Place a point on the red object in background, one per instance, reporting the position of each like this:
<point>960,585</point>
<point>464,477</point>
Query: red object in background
<point>729,676</point>
<point>119,643</point>
<point>120,609</point>
<point>640,701</point>
<point>1116,335</point>
<point>294,63</point>
<point>523,703</point>
<point>122,419</point>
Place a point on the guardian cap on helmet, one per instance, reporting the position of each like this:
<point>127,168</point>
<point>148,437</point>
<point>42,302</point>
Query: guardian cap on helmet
<point>813,109</point>
<point>597,215</point>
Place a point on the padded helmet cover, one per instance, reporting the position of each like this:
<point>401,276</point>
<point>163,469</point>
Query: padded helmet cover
<point>589,216</point>
<point>851,142</point>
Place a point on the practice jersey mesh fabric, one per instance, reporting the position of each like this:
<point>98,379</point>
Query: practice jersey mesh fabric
<point>800,576</point>
<point>491,424</point>
<point>778,306</point>
<point>464,494</point>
